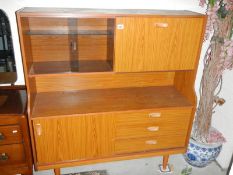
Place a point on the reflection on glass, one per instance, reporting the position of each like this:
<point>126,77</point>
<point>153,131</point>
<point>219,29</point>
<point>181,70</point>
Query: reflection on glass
<point>7,59</point>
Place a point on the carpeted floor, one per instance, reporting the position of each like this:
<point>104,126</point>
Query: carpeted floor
<point>147,166</point>
<point>100,172</point>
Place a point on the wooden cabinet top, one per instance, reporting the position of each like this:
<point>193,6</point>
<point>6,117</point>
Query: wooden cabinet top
<point>12,102</point>
<point>86,12</point>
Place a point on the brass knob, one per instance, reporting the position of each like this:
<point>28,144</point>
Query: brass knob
<point>4,156</point>
<point>1,136</point>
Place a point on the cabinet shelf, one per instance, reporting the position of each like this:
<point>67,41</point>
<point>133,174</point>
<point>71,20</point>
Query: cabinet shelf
<point>106,100</point>
<point>58,67</point>
<point>66,32</point>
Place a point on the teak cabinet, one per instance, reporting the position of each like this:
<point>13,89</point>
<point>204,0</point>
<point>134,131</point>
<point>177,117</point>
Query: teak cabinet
<point>108,85</point>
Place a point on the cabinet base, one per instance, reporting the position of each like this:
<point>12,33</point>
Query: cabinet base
<point>109,159</point>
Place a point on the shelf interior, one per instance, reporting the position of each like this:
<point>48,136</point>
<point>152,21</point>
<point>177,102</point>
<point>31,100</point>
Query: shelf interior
<point>68,45</point>
<point>106,100</point>
<point>67,32</point>
<point>81,66</point>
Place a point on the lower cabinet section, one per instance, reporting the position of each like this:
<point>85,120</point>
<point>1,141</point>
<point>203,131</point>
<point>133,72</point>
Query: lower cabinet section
<point>93,136</point>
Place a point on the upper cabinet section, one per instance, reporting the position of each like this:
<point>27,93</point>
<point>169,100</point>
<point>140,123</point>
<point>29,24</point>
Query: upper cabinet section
<point>157,43</point>
<point>67,45</point>
<point>68,41</point>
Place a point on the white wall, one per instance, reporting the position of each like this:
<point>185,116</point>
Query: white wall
<point>224,122</point>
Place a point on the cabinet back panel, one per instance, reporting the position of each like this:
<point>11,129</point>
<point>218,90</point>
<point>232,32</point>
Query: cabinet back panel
<point>51,38</point>
<point>92,47</point>
<point>26,47</point>
<point>45,24</point>
<point>64,82</point>
<point>50,48</point>
<point>92,24</point>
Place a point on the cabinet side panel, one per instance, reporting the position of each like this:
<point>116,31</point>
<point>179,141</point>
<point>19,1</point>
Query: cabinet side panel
<point>25,44</point>
<point>184,81</point>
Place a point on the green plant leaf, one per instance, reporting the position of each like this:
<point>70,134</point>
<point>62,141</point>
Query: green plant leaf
<point>222,12</point>
<point>212,2</point>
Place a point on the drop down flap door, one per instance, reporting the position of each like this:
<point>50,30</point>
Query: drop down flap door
<point>157,43</point>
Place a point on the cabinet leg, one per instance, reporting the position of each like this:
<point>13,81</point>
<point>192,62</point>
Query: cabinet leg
<point>57,171</point>
<point>165,161</point>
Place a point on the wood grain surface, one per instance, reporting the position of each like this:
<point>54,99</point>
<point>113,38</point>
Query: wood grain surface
<point>140,124</point>
<point>127,109</point>
<point>71,82</point>
<point>87,137</point>
<point>15,153</point>
<point>144,46</point>
<point>11,134</point>
<point>106,100</point>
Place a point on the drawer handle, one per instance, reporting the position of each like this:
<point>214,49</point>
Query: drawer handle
<point>151,142</point>
<point>155,114</point>
<point>73,45</point>
<point>153,128</point>
<point>1,136</point>
<point>14,131</point>
<point>4,156</point>
<point>161,24</point>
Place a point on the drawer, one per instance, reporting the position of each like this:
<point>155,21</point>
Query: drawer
<point>10,134</point>
<point>151,129</point>
<point>148,143</point>
<point>153,115</point>
<point>12,154</point>
<point>9,119</point>
<point>153,123</point>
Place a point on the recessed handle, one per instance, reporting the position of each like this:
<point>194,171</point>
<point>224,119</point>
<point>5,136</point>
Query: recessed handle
<point>73,45</point>
<point>38,129</point>
<point>151,142</point>
<point>4,156</point>
<point>153,128</point>
<point>155,114</point>
<point>161,24</point>
<point>2,137</point>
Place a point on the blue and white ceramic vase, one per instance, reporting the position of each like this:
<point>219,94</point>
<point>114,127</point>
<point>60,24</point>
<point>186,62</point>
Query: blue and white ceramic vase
<point>200,155</point>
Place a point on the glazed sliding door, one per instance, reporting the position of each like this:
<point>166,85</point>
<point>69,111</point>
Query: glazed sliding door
<point>157,43</point>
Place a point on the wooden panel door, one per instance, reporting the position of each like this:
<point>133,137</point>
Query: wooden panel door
<point>64,138</point>
<point>157,43</point>
<point>73,138</point>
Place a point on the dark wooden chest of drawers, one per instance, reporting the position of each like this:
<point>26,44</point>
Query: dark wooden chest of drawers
<point>15,150</point>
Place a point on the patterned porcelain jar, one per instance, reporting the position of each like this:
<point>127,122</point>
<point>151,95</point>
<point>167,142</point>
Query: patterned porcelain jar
<point>200,155</point>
